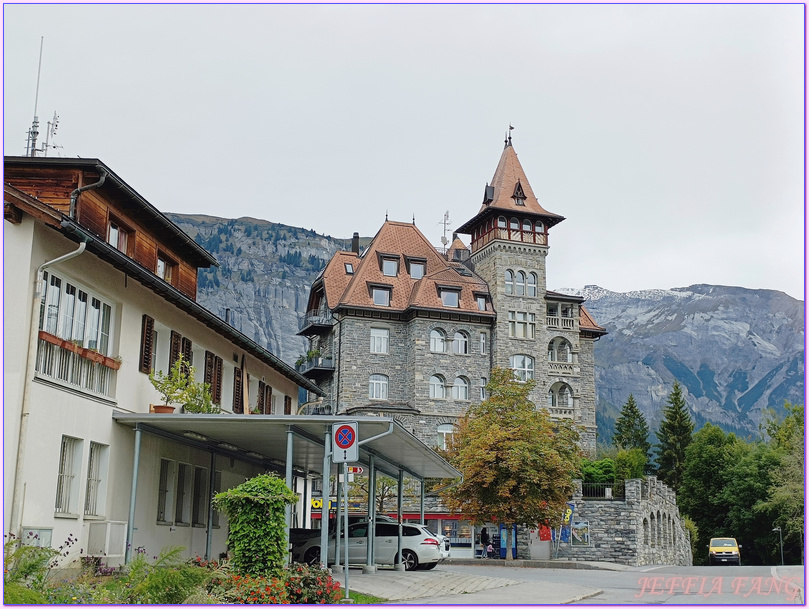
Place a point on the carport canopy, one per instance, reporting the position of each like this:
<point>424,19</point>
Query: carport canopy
<point>262,439</point>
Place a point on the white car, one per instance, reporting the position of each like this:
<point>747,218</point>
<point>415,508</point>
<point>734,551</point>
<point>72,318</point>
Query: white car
<point>420,548</point>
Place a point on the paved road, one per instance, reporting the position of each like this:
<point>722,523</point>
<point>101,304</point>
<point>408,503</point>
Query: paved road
<point>601,583</point>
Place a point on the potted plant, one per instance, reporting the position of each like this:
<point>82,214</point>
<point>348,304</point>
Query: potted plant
<point>172,386</point>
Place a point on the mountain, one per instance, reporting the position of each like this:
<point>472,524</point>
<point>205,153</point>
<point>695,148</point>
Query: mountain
<point>736,351</point>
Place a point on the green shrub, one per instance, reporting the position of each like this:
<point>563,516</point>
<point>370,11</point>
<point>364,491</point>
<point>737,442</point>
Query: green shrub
<point>167,581</point>
<point>250,590</point>
<point>257,535</point>
<point>15,593</point>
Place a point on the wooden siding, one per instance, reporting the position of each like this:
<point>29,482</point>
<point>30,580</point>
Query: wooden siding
<point>93,209</point>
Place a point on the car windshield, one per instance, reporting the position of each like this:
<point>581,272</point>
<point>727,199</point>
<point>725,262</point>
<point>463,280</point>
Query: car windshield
<point>724,543</point>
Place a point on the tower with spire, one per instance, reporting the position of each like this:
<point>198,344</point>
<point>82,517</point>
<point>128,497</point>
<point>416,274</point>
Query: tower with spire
<point>542,335</point>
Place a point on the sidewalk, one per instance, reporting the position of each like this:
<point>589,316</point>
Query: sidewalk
<point>446,588</point>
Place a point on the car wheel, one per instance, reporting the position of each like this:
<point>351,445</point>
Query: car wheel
<point>411,562</point>
<point>429,566</point>
<point>312,556</point>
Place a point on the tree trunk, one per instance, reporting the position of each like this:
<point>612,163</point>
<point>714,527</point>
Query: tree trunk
<point>509,532</point>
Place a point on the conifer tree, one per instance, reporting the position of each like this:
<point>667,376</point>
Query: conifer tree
<point>673,437</point>
<point>631,429</point>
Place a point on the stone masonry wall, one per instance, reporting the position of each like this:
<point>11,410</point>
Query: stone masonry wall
<point>645,528</point>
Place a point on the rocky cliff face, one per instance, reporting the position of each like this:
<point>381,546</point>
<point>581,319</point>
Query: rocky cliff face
<point>734,350</point>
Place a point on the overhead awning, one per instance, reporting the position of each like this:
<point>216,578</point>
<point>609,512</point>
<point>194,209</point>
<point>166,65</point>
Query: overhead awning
<point>263,439</point>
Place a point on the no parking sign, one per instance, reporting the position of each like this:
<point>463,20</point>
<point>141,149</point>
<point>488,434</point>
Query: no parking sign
<point>345,446</point>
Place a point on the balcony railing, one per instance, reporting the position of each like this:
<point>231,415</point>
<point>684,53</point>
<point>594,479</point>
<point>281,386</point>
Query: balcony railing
<point>72,368</point>
<point>508,234</point>
<point>561,413</point>
<point>566,323</point>
<point>603,491</point>
<point>316,319</point>
<point>316,365</point>
<point>561,368</point>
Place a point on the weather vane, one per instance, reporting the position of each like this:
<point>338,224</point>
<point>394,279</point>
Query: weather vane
<point>508,135</point>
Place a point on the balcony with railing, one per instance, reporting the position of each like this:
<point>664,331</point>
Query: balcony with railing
<point>69,364</point>
<point>315,322</point>
<point>561,323</point>
<point>317,367</point>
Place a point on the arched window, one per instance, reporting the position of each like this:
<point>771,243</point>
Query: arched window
<point>560,350</point>
<point>514,224</point>
<point>460,343</point>
<point>520,284</point>
<point>501,222</point>
<point>444,432</point>
<point>526,226</point>
<point>540,228</point>
<point>523,366</point>
<point>460,389</point>
<point>531,285</point>
<point>437,340</point>
<point>378,387</point>
<point>509,281</point>
<point>437,391</point>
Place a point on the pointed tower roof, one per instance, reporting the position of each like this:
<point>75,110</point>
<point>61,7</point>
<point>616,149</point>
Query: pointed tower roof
<point>510,191</point>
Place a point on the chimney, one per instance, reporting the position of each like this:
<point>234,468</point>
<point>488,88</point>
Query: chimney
<point>454,236</point>
<point>227,317</point>
<point>355,243</point>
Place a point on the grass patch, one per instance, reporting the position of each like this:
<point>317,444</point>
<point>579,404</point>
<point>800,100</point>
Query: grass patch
<point>363,599</point>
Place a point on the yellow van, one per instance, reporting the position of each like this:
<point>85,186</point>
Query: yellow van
<point>724,550</point>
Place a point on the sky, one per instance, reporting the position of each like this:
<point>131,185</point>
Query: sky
<point>671,137</point>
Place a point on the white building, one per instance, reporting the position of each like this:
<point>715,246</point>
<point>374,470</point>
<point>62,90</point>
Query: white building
<point>99,289</point>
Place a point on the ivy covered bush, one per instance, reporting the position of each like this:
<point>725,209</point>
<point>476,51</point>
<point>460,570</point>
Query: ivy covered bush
<point>257,536</point>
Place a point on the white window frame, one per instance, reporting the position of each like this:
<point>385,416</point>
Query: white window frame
<point>438,389</point>
<point>460,343</point>
<point>89,321</point>
<point>67,484</point>
<point>380,340</point>
<point>483,343</point>
<point>97,473</point>
<point>460,389</point>
<point>509,280</point>
<point>521,324</point>
<point>420,273</point>
<point>378,387</point>
<point>519,283</point>
<point>531,285</point>
<point>451,298</point>
<point>438,341</point>
<point>442,433</point>
<point>523,367</point>
<point>483,382</point>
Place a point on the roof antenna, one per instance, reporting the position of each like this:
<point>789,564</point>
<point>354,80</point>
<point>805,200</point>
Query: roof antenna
<point>446,222</point>
<point>414,219</point>
<point>386,215</point>
<point>31,142</point>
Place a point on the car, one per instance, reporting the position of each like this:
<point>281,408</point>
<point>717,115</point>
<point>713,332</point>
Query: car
<point>724,550</point>
<point>420,548</point>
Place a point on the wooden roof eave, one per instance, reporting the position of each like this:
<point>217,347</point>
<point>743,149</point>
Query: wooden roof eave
<point>466,228</point>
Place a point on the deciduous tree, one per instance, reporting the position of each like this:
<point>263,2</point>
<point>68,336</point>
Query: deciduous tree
<point>517,464</point>
<point>673,437</point>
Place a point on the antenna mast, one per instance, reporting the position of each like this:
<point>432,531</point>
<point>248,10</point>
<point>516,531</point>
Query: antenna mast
<point>446,222</point>
<point>33,133</point>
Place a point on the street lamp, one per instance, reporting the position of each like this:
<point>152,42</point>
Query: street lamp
<point>781,541</point>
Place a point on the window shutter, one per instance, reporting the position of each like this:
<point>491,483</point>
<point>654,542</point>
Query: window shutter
<point>268,400</point>
<point>175,349</point>
<point>186,350</point>
<point>217,393</point>
<point>238,403</point>
<point>262,405</point>
<point>146,344</point>
<point>209,369</point>
<point>287,405</point>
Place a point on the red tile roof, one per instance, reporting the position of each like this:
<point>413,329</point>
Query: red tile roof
<point>586,322</point>
<point>404,243</point>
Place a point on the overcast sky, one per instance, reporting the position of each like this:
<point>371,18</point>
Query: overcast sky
<point>671,137</point>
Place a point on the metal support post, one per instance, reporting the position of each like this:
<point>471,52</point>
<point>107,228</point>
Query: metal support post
<point>399,566</point>
<point>324,508</point>
<point>288,508</point>
<point>370,566</point>
<point>130,529</point>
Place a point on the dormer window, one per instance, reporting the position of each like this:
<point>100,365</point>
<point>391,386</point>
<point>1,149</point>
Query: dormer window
<point>450,297</point>
<point>417,267</point>
<point>519,195</point>
<point>390,267</point>
<point>349,268</point>
<point>481,300</point>
<point>166,268</point>
<point>381,296</point>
